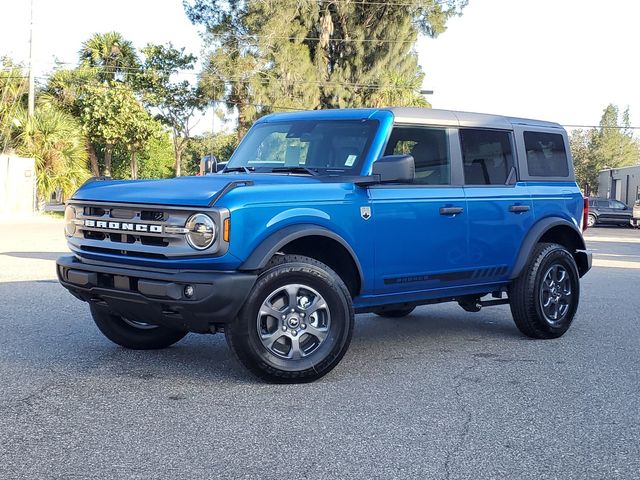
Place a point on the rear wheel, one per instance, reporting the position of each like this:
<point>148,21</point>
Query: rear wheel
<point>132,334</point>
<point>544,298</point>
<point>296,324</point>
<point>591,220</point>
<point>396,313</point>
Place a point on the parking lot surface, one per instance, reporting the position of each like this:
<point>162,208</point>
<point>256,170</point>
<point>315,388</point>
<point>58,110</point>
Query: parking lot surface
<point>441,394</point>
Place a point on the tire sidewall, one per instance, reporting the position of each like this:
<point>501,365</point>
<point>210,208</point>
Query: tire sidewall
<point>562,257</point>
<point>243,334</point>
<point>118,331</point>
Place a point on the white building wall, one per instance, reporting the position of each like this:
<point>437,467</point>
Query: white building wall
<point>620,183</point>
<point>17,185</point>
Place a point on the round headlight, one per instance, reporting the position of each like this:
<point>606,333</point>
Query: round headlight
<point>69,221</point>
<point>201,231</point>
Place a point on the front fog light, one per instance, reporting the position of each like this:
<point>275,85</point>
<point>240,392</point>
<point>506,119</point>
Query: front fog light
<point>69,221</point>
<point>201,231</point>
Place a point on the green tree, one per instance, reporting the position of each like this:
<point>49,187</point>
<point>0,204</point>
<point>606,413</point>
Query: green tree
<point>111,55</point>
<point>112,116</point>
<point>157,159</point>
<point>67,89</point>
<point>280,54</point>
<point>611,145</point>
<point>176,101</point>
<point>13,93</point>
<point>56,141</point>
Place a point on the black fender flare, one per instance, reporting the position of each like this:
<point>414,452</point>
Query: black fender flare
<point>533,237</point>
<point>274,242</point>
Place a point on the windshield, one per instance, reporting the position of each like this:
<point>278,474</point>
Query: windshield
<point>323,146</point>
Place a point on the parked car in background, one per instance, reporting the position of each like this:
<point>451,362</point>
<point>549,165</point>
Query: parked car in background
<point>605,211</point>
<point>635,215</point>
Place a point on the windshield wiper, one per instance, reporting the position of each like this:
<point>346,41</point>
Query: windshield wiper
<point>239,169</point>
<point>294,169</point>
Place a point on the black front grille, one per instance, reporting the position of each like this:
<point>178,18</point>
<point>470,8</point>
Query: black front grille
<point>153,215</point>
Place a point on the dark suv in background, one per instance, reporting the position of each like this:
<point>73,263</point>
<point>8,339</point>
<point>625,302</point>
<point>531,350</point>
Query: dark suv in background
<point>604,211</point>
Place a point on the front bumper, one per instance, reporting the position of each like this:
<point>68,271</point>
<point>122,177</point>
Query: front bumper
<point>159,296</point>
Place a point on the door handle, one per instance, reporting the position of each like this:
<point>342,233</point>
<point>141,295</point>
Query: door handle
<point>519,208</point>
<point>451,210</point>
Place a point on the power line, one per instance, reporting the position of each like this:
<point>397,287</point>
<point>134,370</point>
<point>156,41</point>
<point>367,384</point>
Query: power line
<point>313,39</point>
<point>615,127</point>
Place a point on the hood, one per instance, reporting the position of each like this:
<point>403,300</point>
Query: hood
<point>181,191</point>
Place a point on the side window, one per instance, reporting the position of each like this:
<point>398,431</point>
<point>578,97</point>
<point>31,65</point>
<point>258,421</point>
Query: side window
<point>616,205</point>
<point>429,148</point>
<point>546,154</point>
<point>487,156</point>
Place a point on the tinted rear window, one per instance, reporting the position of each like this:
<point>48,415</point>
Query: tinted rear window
<point>546,155</point>
<point>487,156</point>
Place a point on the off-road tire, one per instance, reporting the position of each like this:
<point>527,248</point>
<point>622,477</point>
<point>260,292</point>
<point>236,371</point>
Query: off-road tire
<point>396,313</point>
<point>525,292</point>
<point>125,334</point>
<point>245,341</point>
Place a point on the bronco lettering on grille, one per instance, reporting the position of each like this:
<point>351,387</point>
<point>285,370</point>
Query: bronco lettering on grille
<point>137,227</point>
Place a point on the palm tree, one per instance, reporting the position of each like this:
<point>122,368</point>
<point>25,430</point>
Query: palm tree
<point>112,55</point>
<point>55,140</point>
<point>13,93</point>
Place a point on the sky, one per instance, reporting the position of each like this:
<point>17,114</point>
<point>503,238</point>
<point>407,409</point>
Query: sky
<point>558,60</point>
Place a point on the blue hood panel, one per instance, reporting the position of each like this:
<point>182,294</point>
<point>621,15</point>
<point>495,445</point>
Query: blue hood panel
<point>181,191</point>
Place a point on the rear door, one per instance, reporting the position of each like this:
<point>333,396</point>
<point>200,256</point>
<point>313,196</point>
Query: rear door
<point>499,207</point>
<point>420,228</point>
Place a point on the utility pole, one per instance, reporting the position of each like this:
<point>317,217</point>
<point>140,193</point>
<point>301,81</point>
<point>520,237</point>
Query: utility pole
<point>32,85</point>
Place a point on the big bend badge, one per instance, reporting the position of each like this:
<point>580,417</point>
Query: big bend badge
<point>365,212</point>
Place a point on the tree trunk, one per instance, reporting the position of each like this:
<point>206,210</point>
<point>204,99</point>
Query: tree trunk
<point>108,150</point>
<point>177,153</point>
<point>178,162</point>
<point>93,159</point>
<point>134,165</point>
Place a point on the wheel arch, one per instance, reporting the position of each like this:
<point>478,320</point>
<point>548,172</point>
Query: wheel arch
<point>553,230</point>
<point>313,241</point>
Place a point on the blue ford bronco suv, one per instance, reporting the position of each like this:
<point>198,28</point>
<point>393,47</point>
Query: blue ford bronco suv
<point>323,214</point>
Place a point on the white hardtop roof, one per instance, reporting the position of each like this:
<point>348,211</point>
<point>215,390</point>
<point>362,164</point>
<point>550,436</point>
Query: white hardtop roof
<point>462,119</point>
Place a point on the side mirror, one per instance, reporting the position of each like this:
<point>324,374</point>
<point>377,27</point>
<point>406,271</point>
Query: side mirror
<point>394,169</point>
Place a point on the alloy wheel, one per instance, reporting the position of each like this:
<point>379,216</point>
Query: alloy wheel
<point>293,321</point>
<point>555,294</point>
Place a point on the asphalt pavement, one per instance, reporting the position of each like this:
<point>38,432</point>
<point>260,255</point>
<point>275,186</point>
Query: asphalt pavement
<point>441,394</point>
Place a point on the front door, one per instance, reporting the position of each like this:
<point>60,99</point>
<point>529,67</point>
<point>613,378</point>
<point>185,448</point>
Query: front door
<point>420,228</point>
<point>500,210</point>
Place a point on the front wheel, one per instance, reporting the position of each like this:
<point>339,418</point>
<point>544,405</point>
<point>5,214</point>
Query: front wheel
<point>296,324</point>
<point>591,220</point>
<point>544,298</point>
<point>133,334</point>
